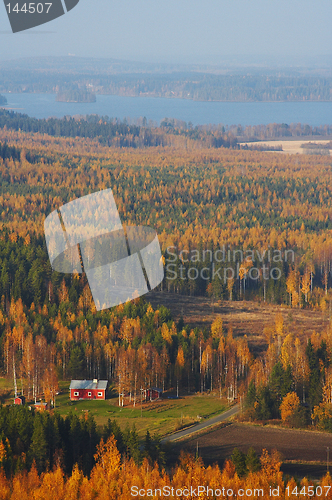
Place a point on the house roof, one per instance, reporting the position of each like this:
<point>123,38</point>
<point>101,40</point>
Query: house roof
<point>89,384</point>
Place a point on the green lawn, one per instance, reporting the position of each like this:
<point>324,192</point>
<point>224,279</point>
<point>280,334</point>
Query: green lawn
<point>7,390</point>
<point>7,384</point>
<point>160,417</point>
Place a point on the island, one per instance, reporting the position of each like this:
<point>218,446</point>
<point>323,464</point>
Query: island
<point>3,100</point>
<point>75,95</point>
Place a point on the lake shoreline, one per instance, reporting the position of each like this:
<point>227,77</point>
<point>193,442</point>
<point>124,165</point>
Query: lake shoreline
<point>175,98</point>
<point>155,109</point>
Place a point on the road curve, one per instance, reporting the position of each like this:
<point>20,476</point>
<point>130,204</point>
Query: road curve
<point>204,425</point>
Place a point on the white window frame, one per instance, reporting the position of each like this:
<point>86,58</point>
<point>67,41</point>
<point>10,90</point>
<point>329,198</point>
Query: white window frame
<point>89,393</point>
<point>100,394</point>
<point>76,393</point>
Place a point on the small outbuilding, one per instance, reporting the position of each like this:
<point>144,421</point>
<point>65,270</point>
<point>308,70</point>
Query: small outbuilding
<point>40,406</point>
<point>153,393</point>
<point>88,389</point>
<point>19,400</point>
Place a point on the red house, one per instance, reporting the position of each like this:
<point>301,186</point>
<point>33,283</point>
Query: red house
<point>88,389</point>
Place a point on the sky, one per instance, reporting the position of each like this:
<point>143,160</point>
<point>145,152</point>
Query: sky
<point>179,31</point>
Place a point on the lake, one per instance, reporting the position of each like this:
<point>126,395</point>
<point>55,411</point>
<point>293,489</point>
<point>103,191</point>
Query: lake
<point>155,108</point>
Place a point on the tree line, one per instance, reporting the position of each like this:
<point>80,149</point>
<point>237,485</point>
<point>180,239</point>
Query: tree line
<point>114,132</point>
<point>114,477</point>
<point>44,440</point>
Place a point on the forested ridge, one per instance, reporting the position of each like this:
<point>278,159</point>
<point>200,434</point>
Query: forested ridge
<point>197,85</point>
<point>113,132</point>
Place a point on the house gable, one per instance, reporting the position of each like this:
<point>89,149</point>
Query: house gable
<point>88,389</point>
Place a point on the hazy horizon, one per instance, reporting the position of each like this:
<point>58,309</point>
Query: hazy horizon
<point>190,32</point>
<point>236,60</point>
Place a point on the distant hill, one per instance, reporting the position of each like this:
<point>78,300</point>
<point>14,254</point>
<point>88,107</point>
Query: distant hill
<point>198,82</point>
<point>92,66</point>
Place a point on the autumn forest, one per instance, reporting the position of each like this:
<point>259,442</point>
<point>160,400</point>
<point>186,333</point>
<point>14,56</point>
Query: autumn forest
<point>234,226</point>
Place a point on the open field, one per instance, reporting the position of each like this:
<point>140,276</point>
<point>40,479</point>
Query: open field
<point>295,446</point>
<point>159,417</point>
<point>246,317</point>
<point>288,146</point>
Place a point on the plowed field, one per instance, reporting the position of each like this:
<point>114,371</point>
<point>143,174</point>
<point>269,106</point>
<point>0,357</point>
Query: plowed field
<point>295,446</point>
